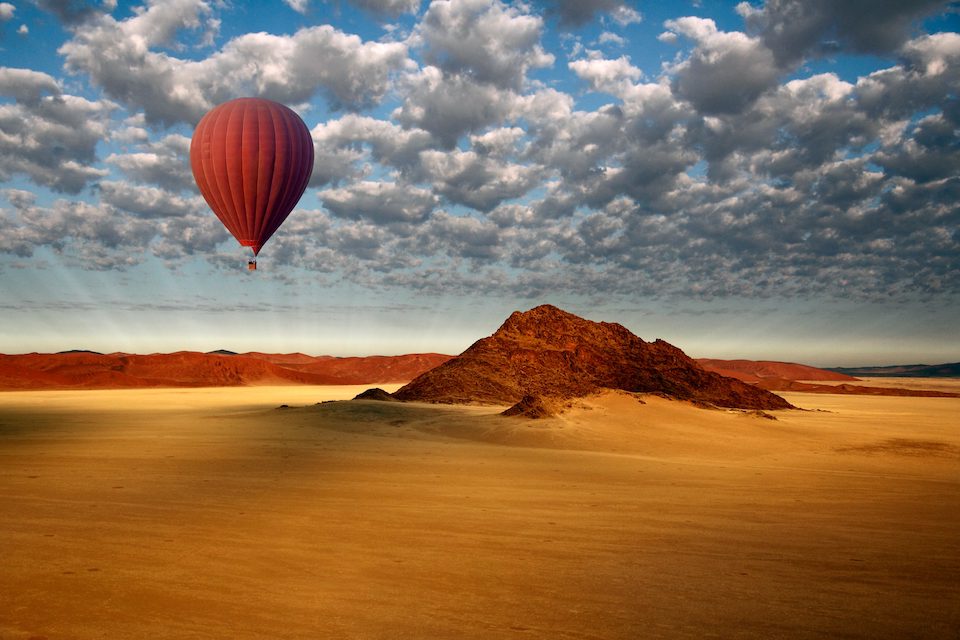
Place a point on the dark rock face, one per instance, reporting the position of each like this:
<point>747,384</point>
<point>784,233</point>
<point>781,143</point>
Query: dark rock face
<point>530,407</point>
<point>551,353</point>
<point>375,393</point>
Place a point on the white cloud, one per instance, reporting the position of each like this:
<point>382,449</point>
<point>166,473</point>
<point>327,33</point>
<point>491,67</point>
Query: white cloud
<point>300,6</point>
<point>726,72</point>
<point>72,12</point>
<point>380,202</point>
<point>725,172</point>
<point>343,142</point>
<point>574,13</point>
<point>6,11</point>
<point>164,162</point>
<point>793,29</point>
<point>95,237</point>
<point>148,202</point>
<point>501,142</point>
<point>126,59</point>
<point>52,139</point>
<point>388,7</point>
<point>669,37</point>
<point>27,86</point>
<point>608,37</point>
<point>451,106</point>
<point>477,181</point>
<point>624,15</point>
<point>607,75</point>
<point>490,41</point>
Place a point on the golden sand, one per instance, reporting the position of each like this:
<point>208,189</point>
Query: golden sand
<point>212,513</point>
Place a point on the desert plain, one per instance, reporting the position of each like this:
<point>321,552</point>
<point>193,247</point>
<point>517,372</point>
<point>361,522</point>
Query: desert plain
<point>218,513</point>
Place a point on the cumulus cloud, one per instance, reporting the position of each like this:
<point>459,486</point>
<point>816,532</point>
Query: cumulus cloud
<point>148,202</point>
<point>729,171</point>
<point>188,235</point>
<point>449,107</point>
<point>95,236</point>
<point>380,202</point>
<point>388,7</point>
<point>52,139</point>
<point>71,12</point>
<point>925,79</point>
<point>127,59</point>
<point>500,142</point>
<point>164,162</point>
<point>575,13</point>
<point>486,40</point>
<point>793,29</point>
<point>27,86</point>
<point>300,6</point>
<point>929,151</point>
<point>477,181</point>
<point>608,37</point>
<point>6,11</point>
<point>121,230</point>
<point>461,237</point>
<point>343,142</point>
<point>726,71</point>
<point>607,75</point>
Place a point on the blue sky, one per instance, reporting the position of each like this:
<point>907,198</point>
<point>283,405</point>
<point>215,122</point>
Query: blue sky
<point>774,180</point>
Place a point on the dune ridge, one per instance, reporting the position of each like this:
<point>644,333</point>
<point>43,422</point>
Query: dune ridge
<point>90,370</point>
<point>755,370</point>
<point>786,376</point>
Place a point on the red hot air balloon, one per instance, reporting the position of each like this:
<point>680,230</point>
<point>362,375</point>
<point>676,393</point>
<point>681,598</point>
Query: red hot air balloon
<point>252,159</point>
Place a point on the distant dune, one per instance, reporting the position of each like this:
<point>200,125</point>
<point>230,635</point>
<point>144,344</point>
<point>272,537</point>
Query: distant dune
<point>948,370</point>
<point>89,370</point>
<point>777,384</point>
<point>786,376</point>
<point>756,370</point>
<point>84,369</point>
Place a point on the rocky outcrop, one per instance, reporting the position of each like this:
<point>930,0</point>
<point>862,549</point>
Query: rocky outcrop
<point>375,394</point>
<point>548,352</point>
<point>531,407</point>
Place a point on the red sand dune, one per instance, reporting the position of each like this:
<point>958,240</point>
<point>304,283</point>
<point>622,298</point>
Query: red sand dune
<point>756,370</point>
<point>786,376</point>
<point>86,370</point>
<point>778,384</point>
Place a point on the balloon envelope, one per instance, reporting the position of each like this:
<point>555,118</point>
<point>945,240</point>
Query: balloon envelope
<point>252,159</point>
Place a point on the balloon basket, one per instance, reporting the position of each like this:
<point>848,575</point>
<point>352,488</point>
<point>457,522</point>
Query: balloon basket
<point>252,265</point>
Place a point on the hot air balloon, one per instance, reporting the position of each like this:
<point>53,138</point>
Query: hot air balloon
<point>252,159</point>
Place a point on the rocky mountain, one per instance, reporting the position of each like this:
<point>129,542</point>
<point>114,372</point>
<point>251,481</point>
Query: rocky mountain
<point>548,352</point>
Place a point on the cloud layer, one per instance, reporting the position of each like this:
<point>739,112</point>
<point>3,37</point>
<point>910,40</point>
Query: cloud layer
<point>465,155</point>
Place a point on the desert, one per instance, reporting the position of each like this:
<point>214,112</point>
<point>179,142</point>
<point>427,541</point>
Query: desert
<point>479,319</point>
<point>561,478</point>
<point>212,512</point>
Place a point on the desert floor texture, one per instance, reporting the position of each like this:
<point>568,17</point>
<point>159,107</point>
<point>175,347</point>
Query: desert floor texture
<point>214,513</point>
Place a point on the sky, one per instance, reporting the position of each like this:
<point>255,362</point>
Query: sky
<point>773,179</point>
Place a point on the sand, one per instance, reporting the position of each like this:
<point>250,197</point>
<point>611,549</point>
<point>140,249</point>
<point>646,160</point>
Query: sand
<point>950,385</point>
<point>211,513</point>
